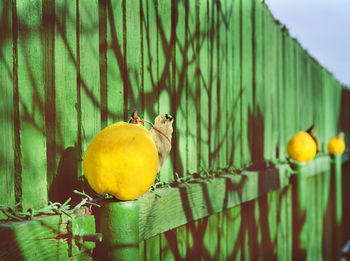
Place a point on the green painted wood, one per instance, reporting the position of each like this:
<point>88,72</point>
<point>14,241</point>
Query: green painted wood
<point>33,240</point>
<point>327,206</point>
<point>222,235</point>
<point>82,229</point>
<point>181,85</point>
<point>120,239</point>
<point>142,251</point>
<point>289,114</point>
<point>45,238</point>
<point>256,117</point>
<point>203,65</point>
<point>307,208</point>
<point>337,211</point>
<point>48,63</point>
<point>223,16</point>
<point>7,109</point>
<point>298,102</point>
<point>269,77</point>
<point>152,248</point>
<point>102,35</point>
<point>166,84</point>
<point>233,219</point>
<point>33,161</point>
<point>284,225</point>
<point>193,81</point>
<point>89,71</point>
<point>133,54</point>
<point>236,86</point>
<point>182,242</point>
<point>150,51</point>
<point>272,88</point>
<point>168,250</point>
<point>115,61</point>
<point>194,201</point>
<point>249,236</point>
<point>214,84</point>
<point>211,242</point>
<point>281,139</point>
<point>230,103</point>
<point>246,79</point>
<point>66,115</point>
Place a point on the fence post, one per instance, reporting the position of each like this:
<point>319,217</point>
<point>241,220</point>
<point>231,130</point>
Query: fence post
<point>299,197</point>
<point>336,171</point>
<point>119,225</point>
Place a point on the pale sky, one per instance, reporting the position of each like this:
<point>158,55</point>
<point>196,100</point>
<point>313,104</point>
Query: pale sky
<point>322,27</point>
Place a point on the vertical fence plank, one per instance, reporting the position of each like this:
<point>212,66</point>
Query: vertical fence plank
<point>236,85</point>
<point>165,70</point>
<point>193,111</point>
<point>281,144</point>
<point>233,240</point>
<point>7,107</point>
<point>268,78</point>
<point>150,35</point>
<point>290,127</point>
<point>66,75</point>
<point>297,88</point>
<point>246,79</point>
<point>230,104</point>
<point>308,99</point>
<point>222,28</point>
<point>152,248</point>
<point>211,242</point>
<point>102,35</point>
<point>284,229</point>
<point>182,244</point>
<point>274,132</point>
<point>115,61</point>
<point>181,84</point>
<point>65,102</point>
<point>270,113</point>
<point>133,54</point>
<point>48,65</point>
<point>214,85</point>
<point>257,117</point>
<point>204,82</point>
<point>89,70</point>
<point>31,105</point>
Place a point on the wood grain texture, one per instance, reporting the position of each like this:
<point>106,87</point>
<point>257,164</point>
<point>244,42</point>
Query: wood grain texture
<point>7,109</point>
<point>45,238</point>
<point>194,201</point>
<point>33,181</point>
<point>193,87</point>
<point>203,64</point>
<point>236,88</point>
<point>89,71</point>
<point>114,39</point>
<point>246,62</point>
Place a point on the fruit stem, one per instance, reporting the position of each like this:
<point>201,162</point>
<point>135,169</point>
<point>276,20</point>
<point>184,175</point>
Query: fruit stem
<point>156,129</point>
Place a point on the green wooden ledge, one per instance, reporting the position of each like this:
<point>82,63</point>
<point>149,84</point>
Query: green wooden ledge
<point>59,237</point>
<point>169,208</point>
<point>56,237</point>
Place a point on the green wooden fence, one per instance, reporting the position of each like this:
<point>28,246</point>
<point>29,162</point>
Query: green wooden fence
<point>236,81</point>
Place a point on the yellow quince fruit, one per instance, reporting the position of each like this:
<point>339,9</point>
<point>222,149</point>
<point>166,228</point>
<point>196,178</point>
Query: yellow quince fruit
<point>337,145</point>
<point>302,147</point>
<point>121,160</point>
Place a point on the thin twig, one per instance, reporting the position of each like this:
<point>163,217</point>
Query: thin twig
<point>156,129</point>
